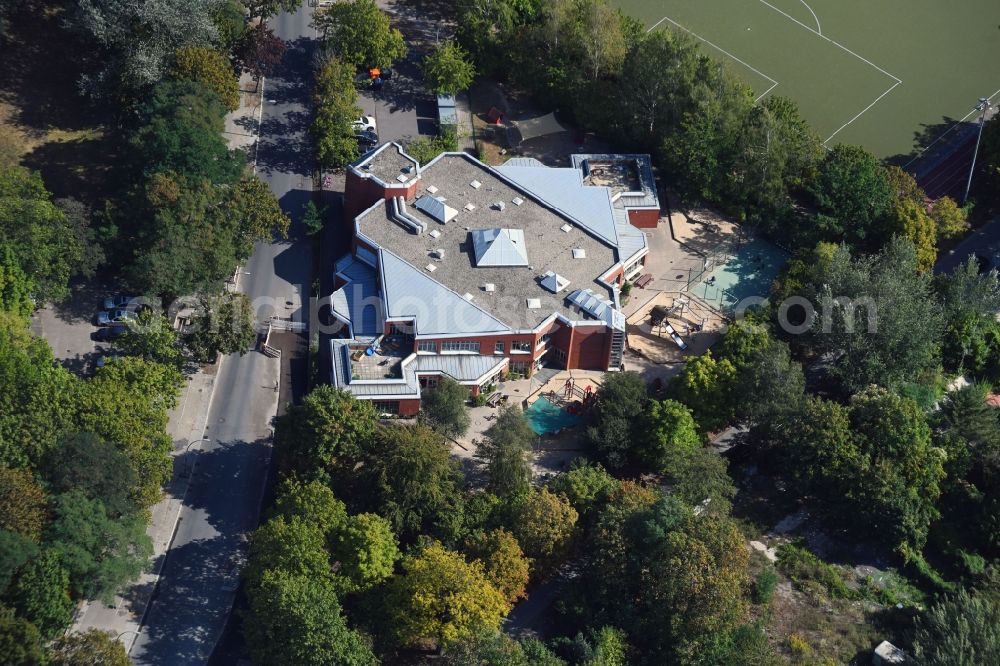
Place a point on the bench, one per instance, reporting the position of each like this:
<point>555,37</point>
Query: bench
<point>643,281</point>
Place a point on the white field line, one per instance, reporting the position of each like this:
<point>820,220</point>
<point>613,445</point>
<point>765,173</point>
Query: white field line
<point>819,28</point>
<point>863,111</point>
<point>721,50</point>
<point>948,131</point>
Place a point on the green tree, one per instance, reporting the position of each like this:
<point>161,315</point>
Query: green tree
<point>505,450</point>
<point>292,546</point>
<point>443,408</point>
<point>586,486</point>
<point>503,562</point>
<point>670,434</point>
<point>101,554</point>
<point>15,286</point>
<point>910,220</point>
<point>485,648</point>
<point>424,149</point>
<point>969,301</point>
<point>621,400</point>
<point>853,193</point>
<point>134,43</point>
<point>604,647</point>
<point>447,69</point>
<point>41,595</point>
<point>258,214</point>
<point>705,385</point>
<point>440,598</point>
<point>296,620</point>
<point>85,462</point>
<point>22,503</point>
<point>313,502</point>
<point>336,102</point>
<point>366,550</point>
<point>92,647</point>
<point>409,478</point>
<point>126,403</point>
<point>39,235</point>
<point>15,551</point>
<point>359,32</point>
<point>20,643</point>
<point>888,330</point>
<point>962,629</point>
<point>701,478</point>
<point>325,433</point>
<point>152,338</point>
<point>544,526</point>
<point>764,369</point>
<point>223,324</point>
<point>210,68</point>
<point>230,24</point>
<point>183,133</point>
<point>952,221</point>
<point>313,218</point>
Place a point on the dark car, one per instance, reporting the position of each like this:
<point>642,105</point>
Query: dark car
<point>108,333</point>
<point>366,139</point>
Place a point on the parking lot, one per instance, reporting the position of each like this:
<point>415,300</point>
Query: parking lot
<point>68,327</point>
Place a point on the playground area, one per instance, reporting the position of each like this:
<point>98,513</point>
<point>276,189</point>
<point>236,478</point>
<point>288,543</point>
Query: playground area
<point>673,326</point>
<point>739,276</point>
<point>892,76</point>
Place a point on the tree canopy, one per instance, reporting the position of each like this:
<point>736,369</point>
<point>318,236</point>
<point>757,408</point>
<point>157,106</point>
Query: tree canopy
<point>211,68</point>
<point>505,450</point>
<point>359,33</point>
<point>443,408</point>
<point>447,69</point>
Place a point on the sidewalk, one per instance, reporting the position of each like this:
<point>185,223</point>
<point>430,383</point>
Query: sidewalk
<point>187,429</point>
<point>242,126</point>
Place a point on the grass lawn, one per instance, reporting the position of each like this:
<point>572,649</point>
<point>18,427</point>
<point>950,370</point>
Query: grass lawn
<point>891,75</point>
<point>55,131</point>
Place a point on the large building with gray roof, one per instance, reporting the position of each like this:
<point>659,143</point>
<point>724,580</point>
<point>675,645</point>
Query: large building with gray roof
<point>468,271</point>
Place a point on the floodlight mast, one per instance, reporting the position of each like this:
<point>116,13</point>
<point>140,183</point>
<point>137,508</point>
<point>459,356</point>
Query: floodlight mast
<point>984,106</point>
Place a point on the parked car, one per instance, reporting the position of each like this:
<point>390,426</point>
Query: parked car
<point>366,139</point>
<point>363,124</point>
<point>106,317</point>
<point>109,333</point>
<point>117,301</point>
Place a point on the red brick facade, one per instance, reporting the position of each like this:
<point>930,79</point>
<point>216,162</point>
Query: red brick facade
<point>644,219</point>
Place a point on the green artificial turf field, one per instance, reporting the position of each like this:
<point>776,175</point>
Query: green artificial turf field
<point>890,75</point>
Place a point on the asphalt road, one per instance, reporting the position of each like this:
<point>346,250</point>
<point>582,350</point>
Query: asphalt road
<point>199,579</point>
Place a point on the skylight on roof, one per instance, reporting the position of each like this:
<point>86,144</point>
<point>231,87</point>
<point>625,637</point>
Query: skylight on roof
<point>470,207</point>
<point>579,253</point>
<point>534,304</point>
<point>431,268</point>
<point>489,287</point>
<point>476,184</point>
<point>566,227</point>
<point>402,177</point>
<point>434,233</point>
<point>432,189</point>
<point>467,296</point>
<point>517,201</point>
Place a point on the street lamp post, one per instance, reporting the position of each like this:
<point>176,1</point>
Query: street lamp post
<point>984,106</point>
<point>128,648</point>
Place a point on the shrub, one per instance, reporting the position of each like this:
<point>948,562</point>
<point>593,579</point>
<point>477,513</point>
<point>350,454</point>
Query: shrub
<point>811,574</point>
<point>763,586</point>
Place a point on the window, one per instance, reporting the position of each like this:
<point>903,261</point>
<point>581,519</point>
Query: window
<point>498,348</point>
<point>520,346</point>
<point>427,346</point>
<point>387,406</point>
<point>428,382</point>
<point>460,346</point>
<point>520,367</point>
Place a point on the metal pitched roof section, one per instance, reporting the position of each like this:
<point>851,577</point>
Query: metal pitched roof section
<point>562,188</point>
<point>438,311</point>
<point>554,282</point>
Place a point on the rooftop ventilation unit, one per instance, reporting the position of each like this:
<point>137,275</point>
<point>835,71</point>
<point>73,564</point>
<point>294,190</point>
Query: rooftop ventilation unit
<point>476,184</point>
<point>431,268</point>
<point>438,253</point>
<point>408,168</point>
<point>554,282</point>
<point>489,287</point>
<point>470,207</point>
<point>579,253</point>
<point>431,189</point>
<point>402,177</point>
<point>467,296</point>
<point>500,206</point>
<point>434,233</point>
<point>517,201</point>
<point>534,304</point>
<point>566,228</point>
